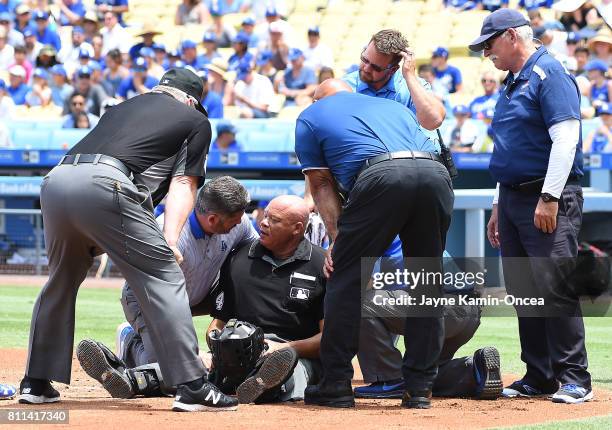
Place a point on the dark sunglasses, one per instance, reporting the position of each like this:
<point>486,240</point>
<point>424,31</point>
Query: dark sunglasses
<point>484,81</point>
<point>489,43</point>
<point>376,67</point>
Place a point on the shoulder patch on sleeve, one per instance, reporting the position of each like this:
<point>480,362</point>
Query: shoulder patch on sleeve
<point>538,70</point>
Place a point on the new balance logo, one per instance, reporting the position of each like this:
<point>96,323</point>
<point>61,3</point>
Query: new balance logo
<point>214,396</point>
<point>26,390</point>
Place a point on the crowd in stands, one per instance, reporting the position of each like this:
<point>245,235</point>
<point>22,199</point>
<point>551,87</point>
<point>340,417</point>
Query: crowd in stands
<point>258,68</point>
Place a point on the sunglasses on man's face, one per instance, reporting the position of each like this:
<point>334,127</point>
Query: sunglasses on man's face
<point>489,43</point>
<point>376,67</point>
<point>488,81</point>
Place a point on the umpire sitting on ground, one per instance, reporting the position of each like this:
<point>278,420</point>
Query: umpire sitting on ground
<point>374,151</point>
<point>277,283</point>
<point>215,227</point>
<point>100,199</point>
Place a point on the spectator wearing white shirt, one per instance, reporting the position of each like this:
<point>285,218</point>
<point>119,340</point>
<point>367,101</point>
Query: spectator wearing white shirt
<point>465,134</point>
<point>7,52</point>
<point>13,36</point>
<point>317,54</point>
<point>252,93</point>
<point>69,54</point>
<point>32,45</point>
<point>114,36</point>
<point>7,105</point>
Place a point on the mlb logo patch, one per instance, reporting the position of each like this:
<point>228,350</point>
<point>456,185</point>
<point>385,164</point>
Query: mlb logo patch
<point>299,293</point>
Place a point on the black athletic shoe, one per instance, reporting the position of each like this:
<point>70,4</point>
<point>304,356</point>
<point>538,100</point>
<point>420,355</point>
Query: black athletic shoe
<point>207,398</point>
<point>276,368</point>
<point>36,391</point>
<point>487,373</point>
<point>334,394</point>
<point>104,366</point>
<point>417,400</point>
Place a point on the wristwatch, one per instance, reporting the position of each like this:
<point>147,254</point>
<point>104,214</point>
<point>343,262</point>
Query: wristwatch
<point>546,197</point>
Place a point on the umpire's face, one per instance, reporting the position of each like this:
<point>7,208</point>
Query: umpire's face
<point>277,228</point>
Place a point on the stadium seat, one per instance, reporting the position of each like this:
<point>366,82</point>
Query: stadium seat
<point>67,138</point>
<point>264,141</point>
<point>48,125</point>
<point>24,138</point>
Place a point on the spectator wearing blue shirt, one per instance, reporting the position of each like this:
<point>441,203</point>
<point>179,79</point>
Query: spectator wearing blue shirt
<point>17,88</point>
<point>241,51</point>
<point>148,33</point>
<point>44,34</point>
<point>248,26</point>
<point>448,75</point>
<point>601,86</point>
<point>23,14</point>
<point>357,142</point>
<point>599,139</point>
<point>138,83</point>
<point>226,138</point>
<point>537,212</point>
<point>491,5</point>
<point>379,75</point>
<point>8,5</point>
<point>71,11</point>
<point>211,101</point>
<point>118,7</point>
<point>60,88</point>
<point>535,4</point>
<point>488,100</point>
<point>299,81</point>
<point>189,54</point>
<point>210,48</point>
<point>460,5</point>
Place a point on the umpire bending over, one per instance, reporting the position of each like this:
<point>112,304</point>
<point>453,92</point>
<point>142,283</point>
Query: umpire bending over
<point>537,161</point>
<point>99,199</point>
<point>374,151</point>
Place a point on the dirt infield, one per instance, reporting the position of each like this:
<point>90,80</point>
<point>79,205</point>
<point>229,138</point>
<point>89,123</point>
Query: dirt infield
<point>91,407</point>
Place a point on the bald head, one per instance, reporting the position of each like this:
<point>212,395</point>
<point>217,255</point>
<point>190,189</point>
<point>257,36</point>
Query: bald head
<point>329,87</point>
<point>294,208</point>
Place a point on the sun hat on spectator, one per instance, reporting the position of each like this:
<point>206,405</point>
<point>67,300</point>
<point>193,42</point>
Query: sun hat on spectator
<point>22,9</point>
<point>496,23</point>
<point>602,36</point>
<point>148,28</point>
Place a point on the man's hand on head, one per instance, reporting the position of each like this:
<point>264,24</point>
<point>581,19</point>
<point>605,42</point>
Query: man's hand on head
<point>409,64</point>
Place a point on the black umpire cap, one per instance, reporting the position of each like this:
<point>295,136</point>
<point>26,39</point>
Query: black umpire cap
<point>495,24</point>
<point>186,81</point>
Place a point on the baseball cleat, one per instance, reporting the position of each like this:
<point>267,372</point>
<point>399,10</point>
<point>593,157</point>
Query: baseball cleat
<point>572,393</point>
<point>521,389</point>
<point>381,390</point>
<point>124,330</point>
<point>7,392</point>
<point>206,399</point>
<point>36,391</point>
<point>104,366</point>
<point>274,371</point>
<point>487,372</point>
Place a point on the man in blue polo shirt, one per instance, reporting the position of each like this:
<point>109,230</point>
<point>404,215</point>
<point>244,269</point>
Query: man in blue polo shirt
<point>379,75</point>
<point>374,152</point>
<point>138,83</point>
<point>44,34</point>
<point>537,213</point>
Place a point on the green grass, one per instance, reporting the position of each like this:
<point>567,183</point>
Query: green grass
<point>99,312</point>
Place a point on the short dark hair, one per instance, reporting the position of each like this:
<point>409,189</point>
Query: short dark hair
<point>390,42</point>
<point>582,49</point>
<point>223,195</point>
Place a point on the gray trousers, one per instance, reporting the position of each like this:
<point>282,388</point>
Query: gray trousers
<point>87,210</point>
<point>380,360</point>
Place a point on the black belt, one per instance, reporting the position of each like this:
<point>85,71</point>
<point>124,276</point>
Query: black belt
<point>96,159</point>
<point>414,155</point>
<point>535,186</point>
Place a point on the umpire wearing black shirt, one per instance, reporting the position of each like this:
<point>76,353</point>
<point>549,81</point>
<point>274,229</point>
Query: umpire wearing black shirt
<point>99,199</point>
